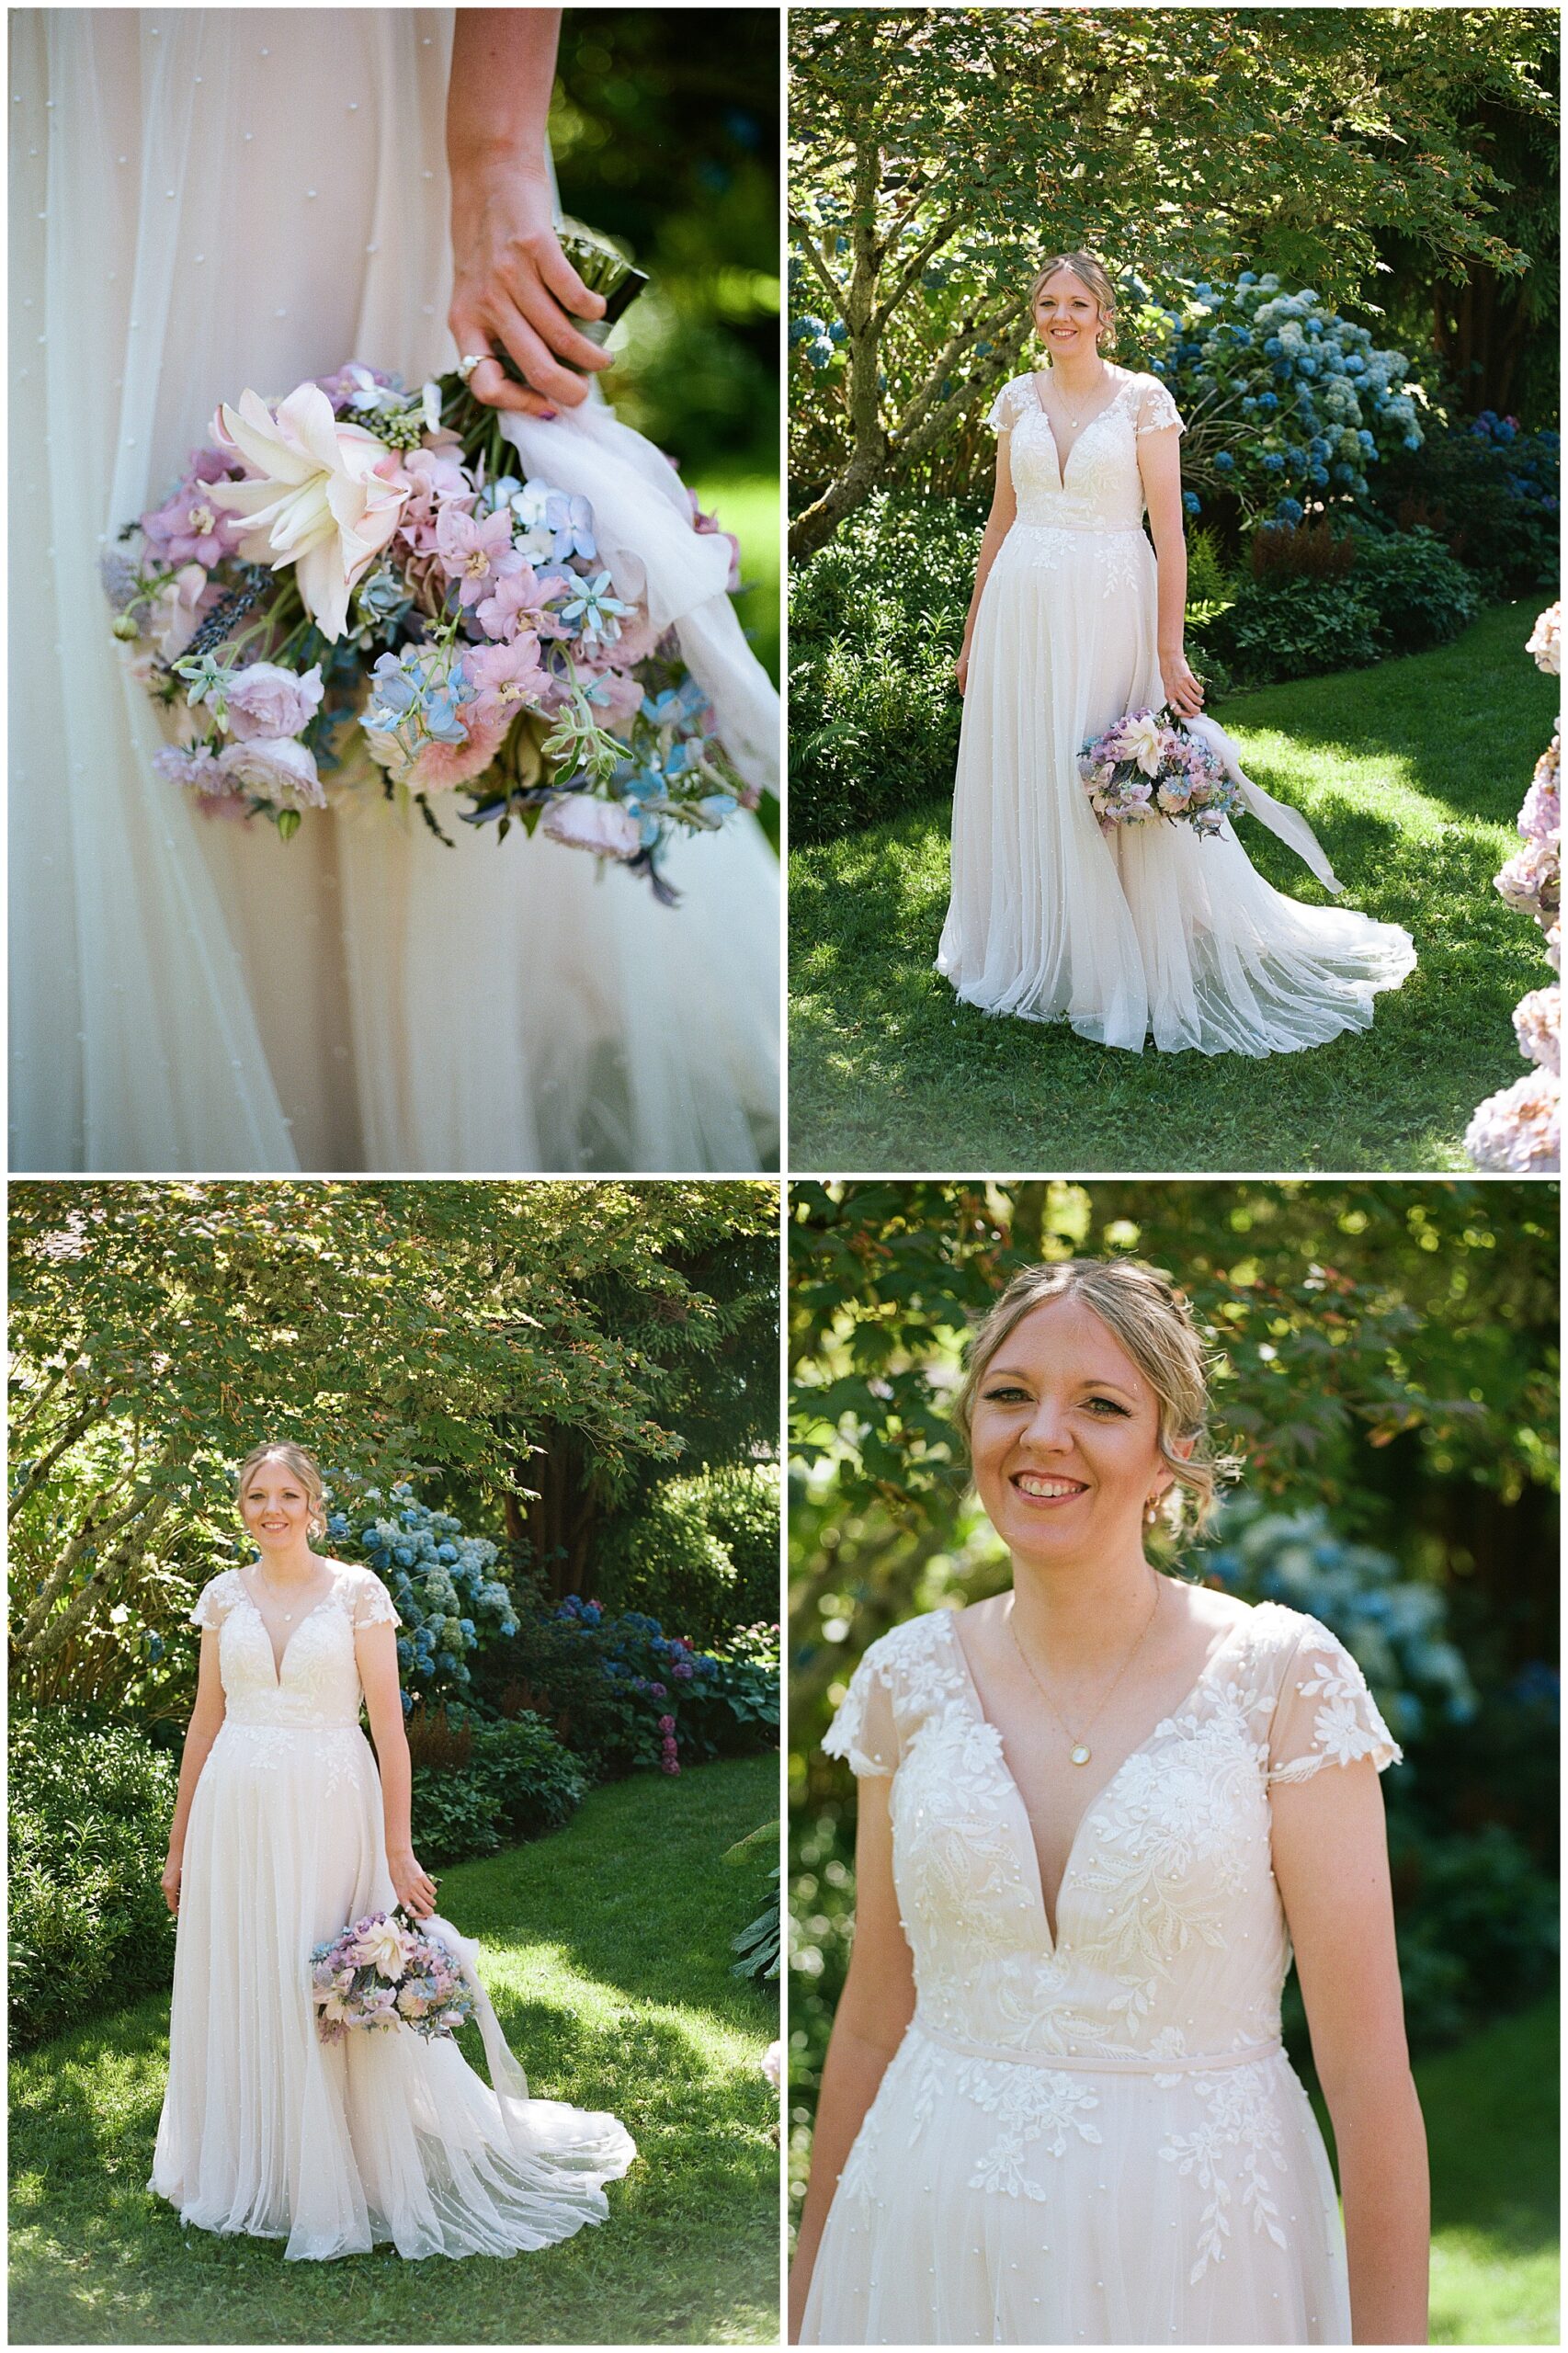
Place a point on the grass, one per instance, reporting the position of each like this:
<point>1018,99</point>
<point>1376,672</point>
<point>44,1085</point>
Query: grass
<point>747,504</point>
<point>1411,773</point>
<point>607,1953</point>
<point>1490,2108</point>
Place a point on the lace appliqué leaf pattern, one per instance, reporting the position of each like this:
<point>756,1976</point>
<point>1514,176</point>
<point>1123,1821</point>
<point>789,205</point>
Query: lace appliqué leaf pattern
<point>1156,410</point>
<point>1347,1726</point>
<point>916,1673</point>
<point>370,1604</point>
<point>216,1600</point>
<point>1231,2156</point>
<point>1033,2106</point>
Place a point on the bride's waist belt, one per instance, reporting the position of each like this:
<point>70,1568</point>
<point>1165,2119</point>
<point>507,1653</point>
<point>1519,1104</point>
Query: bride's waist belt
<point>1098,2062</point>
<point>242,1719</point>
<point>1079,531</point>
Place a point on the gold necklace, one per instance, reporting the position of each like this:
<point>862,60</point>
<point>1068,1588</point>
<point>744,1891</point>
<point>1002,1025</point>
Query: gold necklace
<point>1076,423</point>
<point>268,1586</point>
<point>1079,1750</point>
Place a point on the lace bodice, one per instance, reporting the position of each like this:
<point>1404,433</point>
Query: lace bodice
<point>1100,488</point>
<point>318,1687</point>
<point>1171,1941</point>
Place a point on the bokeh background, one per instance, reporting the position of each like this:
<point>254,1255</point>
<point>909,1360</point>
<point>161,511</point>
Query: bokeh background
<point>666,138</point>
<point>1387,1363</point>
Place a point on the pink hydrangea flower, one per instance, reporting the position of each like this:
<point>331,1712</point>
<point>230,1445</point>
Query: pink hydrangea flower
<point>1538,1025</point>
<point>476,551</point>
<point>1545,642</point>
<point>267,700</point>
<point>1531,881</point>
<point>1519,1130</point>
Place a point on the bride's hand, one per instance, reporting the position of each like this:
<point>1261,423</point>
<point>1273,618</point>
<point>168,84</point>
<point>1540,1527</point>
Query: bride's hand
<point>513,285</point>
<point>1183,693</point>
<point>415,1888</point>
<point>169,1880</point>
<point>960,671</point>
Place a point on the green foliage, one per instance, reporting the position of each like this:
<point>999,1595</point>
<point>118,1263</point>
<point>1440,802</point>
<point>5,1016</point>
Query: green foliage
<point>520,1335</point>
<point>744,1507</point>
<point>671,147</point>
<point>514,1780</point>
<point>916,221</point>
<point>1208,579</point>
<point>698,1553</point>
<point>876,620</point>
<point>1492,499</point>
<point>758,1943</point>
<point>1422,595</point>
<point>89,1831</point>
<point>1293,628</point>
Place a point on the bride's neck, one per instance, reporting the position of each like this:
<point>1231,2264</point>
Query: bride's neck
<point>1079,376</point>
<point>289,1568</point>
<point>1079,1612</point>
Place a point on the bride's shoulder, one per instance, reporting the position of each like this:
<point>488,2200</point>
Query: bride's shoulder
<point>363,1595</point>
<point>215,1600</point>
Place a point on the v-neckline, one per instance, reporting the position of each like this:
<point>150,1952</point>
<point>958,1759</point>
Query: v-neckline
<point>1050,1915</point>
<point>278,1662</point>
<point>1063,463</point>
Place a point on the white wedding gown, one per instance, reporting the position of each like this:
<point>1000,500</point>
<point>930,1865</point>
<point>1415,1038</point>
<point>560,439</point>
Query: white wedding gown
<point>1094,2136</point>
<point>1155,931</point>
<point>265,2130</point>
<point>204,199</point>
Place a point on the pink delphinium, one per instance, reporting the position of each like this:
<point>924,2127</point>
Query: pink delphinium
<point>521,601</point>
<point>1519,1129</point>
<point>1538,1025</point>
<point>476,551</point>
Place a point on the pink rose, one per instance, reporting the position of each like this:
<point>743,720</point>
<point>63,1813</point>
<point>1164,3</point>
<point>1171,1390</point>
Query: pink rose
<point>266,700</point>
<point>603,826</point>
<point>284,772</point>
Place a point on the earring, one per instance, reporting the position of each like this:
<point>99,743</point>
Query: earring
<point>1151,1511</point>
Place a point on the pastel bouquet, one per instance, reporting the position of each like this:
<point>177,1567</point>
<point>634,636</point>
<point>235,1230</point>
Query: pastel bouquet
<point>385,1971</point>
<point>355,563</point>
<point>1148,765</point>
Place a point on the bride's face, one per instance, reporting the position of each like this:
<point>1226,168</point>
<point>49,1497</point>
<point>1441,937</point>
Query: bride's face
<point>276,1509</point>
<point>1064,1436</point>
<point>1066,315</point>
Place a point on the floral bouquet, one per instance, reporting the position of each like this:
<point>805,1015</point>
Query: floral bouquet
<point>385,1971</point>
<point>356,560</point>
<point>1148,765</point>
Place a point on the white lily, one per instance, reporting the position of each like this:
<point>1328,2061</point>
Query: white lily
<point>1140,742</point>
<point>319,502</point>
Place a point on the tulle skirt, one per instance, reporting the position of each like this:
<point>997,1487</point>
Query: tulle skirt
<point>987,2202</point>
<point>1152,931</point>
<point>382,2136</point>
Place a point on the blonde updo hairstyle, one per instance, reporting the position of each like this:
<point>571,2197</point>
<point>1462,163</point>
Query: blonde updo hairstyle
<point>304,1468</point>
<point>1095,276</point>
<point>1155,1324</point>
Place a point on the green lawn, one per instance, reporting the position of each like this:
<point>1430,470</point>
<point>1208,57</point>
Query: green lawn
<point>747,504</point>
<point>1492,2128</point>
<point>607,1952</point>
<point>1412,774</point>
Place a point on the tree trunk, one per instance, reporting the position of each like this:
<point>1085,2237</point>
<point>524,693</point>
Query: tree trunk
<point>563,1521</point>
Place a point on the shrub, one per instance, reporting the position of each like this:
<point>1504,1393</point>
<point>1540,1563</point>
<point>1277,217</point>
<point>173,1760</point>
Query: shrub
<point>876,620</point>
<point>477,1784</point>
<point>89,1809</point>
<point>744,1508</point>
<point>700,1553</point>
<point>1288,627</point>
<point>1423,596</point>
<point>1208,575</point>
<point>1301,552</point>
<point>444,1583</point>
<point>1490,493</point>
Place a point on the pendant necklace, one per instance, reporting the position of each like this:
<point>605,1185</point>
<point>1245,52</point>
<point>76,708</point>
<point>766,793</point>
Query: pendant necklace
<point>1078,1748</point>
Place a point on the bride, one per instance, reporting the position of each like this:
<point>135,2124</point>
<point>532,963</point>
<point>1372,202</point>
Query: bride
<point>1096,1814</point>
<point>207,200</point>
<point>283,1835</point>
<point>1073,625</point>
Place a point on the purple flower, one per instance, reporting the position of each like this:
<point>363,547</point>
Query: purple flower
<point>509,678</point>
<point>683,1672</point>
<point>522,600</point>
<point>475,554</point>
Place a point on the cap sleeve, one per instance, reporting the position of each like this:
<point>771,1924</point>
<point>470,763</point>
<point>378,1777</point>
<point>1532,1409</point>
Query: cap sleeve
<point>1324,1713</point>
<point>370,1604</point>
<point>863,1729</point>
<point>1003,411</point>
<point>1156,410</point>
<point>215,1600</point>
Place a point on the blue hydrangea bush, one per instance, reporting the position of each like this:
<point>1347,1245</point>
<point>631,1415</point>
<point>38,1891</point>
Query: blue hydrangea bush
<point>444,1584</point>
<point>1287,404</point>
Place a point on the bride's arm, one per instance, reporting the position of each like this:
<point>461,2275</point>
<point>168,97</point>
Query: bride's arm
<point>206,1723</point>
<point>1330,1861</point>
<point>510,277</point>
<point>375,1649</point>
<point>1159,462</point>
<point>998,523</point>
<point>875,2007</point>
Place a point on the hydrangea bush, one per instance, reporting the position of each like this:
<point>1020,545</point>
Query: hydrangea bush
<point>1394,1628</point>
<point>1520,1128</point>
<point>443,1582</point>
<point>1287,404</point>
